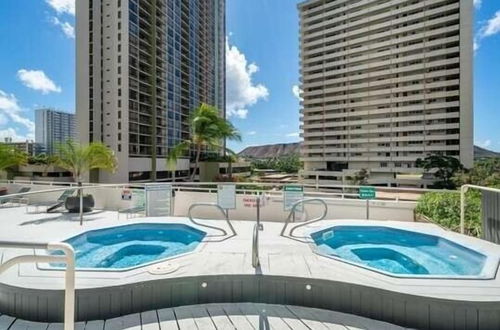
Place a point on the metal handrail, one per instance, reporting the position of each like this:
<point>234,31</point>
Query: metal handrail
<point>255,246</point>
<point>69,273</point>
<point>294,208</point>
<point>195,205</point>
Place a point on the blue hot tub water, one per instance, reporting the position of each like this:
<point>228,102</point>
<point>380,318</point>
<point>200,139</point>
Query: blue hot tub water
<point>399,251</point>
<point>133,245</point>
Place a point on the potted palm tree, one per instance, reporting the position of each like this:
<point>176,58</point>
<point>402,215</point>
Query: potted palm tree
<point>10,156</point>
<point>81,159</point>
<point>208,130</point>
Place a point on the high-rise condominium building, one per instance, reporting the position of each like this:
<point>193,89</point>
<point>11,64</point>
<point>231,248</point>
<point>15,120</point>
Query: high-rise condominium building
<point>384,83</point>
<point>142,67</point>
<point>53,127</point>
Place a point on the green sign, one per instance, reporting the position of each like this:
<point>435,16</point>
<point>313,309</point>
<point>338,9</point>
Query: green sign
<point>367,193</point>
<point>291,195</point>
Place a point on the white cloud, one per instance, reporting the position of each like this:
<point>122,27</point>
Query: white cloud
<point>14,135</point>
<point>296,92</point>
<point>294,134</point>
<point>3,119</point>
<point>238,113</point>
<point>11,111</point>
<point>66,27</point>
<point>476,44</point>
<point>62,6</point>
<point>485,143</point>
<point>241,91</point>
<point>252,133</point>
<point>37,80</point>
<point>492,26</point>
<point>477,3</point>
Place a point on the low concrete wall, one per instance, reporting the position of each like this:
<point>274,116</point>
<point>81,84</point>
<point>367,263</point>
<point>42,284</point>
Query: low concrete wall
<point>272,210</point>
<point>402,309</point>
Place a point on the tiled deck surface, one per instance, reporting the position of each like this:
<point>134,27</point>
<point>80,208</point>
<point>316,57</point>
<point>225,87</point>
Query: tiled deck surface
<point>244,316</point>
<point>279,256</point>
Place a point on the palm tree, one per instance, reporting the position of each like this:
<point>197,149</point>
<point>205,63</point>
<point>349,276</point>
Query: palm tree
<point>208,130</point>
<point>81,159</point>
<point>11,156</point>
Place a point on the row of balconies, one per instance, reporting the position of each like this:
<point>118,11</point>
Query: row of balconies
<point>388,112</point>
<point>389,38</point>
<point>369,61</point>
<point>409,128</point>
<point>368,30</point>
<point>349,94</point>
<point>375,139</point>
<point>419,148</point>
<point>370,15</point>
<point>377,50</point>
<point>441,76</point>
<point>414,70</point>
<point>438,97</point>
<point>390,120</point>
<point>385,68</point>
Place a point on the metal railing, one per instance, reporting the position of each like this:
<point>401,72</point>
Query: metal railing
<point>255,239</point>
<point>294,209</point>
<point>217,206</point>
<point>69,273</point>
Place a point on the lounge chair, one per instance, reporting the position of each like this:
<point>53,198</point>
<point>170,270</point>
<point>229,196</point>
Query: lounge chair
<point>7,199</point>
<point>52,204</point>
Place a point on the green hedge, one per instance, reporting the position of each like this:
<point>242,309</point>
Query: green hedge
<point>444,209</point>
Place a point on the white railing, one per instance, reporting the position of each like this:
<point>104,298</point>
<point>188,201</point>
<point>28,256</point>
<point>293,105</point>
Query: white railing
<point>274,191</point>
<point>463,190</point>
<point>69,274</point>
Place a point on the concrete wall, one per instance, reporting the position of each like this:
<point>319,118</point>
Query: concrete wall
<point>271,210</point>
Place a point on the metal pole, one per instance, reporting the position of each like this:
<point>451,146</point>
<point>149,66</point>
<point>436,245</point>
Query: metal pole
<point>463,189</point>
<point>81,203</point>
<point>367,209</point>
<point>258,210</point>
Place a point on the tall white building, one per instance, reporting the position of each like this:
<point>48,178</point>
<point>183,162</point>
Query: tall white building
<point>384,82</point>
<point>142,67</point>
<point>53,127</point>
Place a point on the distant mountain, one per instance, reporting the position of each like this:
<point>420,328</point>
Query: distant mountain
<point>484,153</point>
<point>271,150</point>
<point>287,149</point>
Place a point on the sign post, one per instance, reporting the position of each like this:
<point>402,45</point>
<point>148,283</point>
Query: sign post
<point>226,197</point>
<point>158,200</point>
<point>291,195</point>
<point>367,193</point>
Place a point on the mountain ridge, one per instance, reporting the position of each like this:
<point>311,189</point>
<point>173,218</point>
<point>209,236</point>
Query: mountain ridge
<point>286,149</point>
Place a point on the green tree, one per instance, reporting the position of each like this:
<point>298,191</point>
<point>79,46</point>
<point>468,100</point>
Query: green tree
<point>443,208</point>
<point>445,168</point>
<point>208,131</point>
<point>360,178</point>
<point>10,156</point>
<point>289,164</point>
<point>80,159</point>
<point>486,172</point>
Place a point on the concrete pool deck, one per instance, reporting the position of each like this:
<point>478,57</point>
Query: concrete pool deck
<point>225,265</point>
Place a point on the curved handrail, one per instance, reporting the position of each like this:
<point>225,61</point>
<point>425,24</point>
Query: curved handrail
<point>69,273</point>
<point>195,205</point>
<point>255,247</point>
<point>292,214</point>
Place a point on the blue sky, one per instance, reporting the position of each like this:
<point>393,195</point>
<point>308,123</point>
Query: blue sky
<point>37,67</point>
